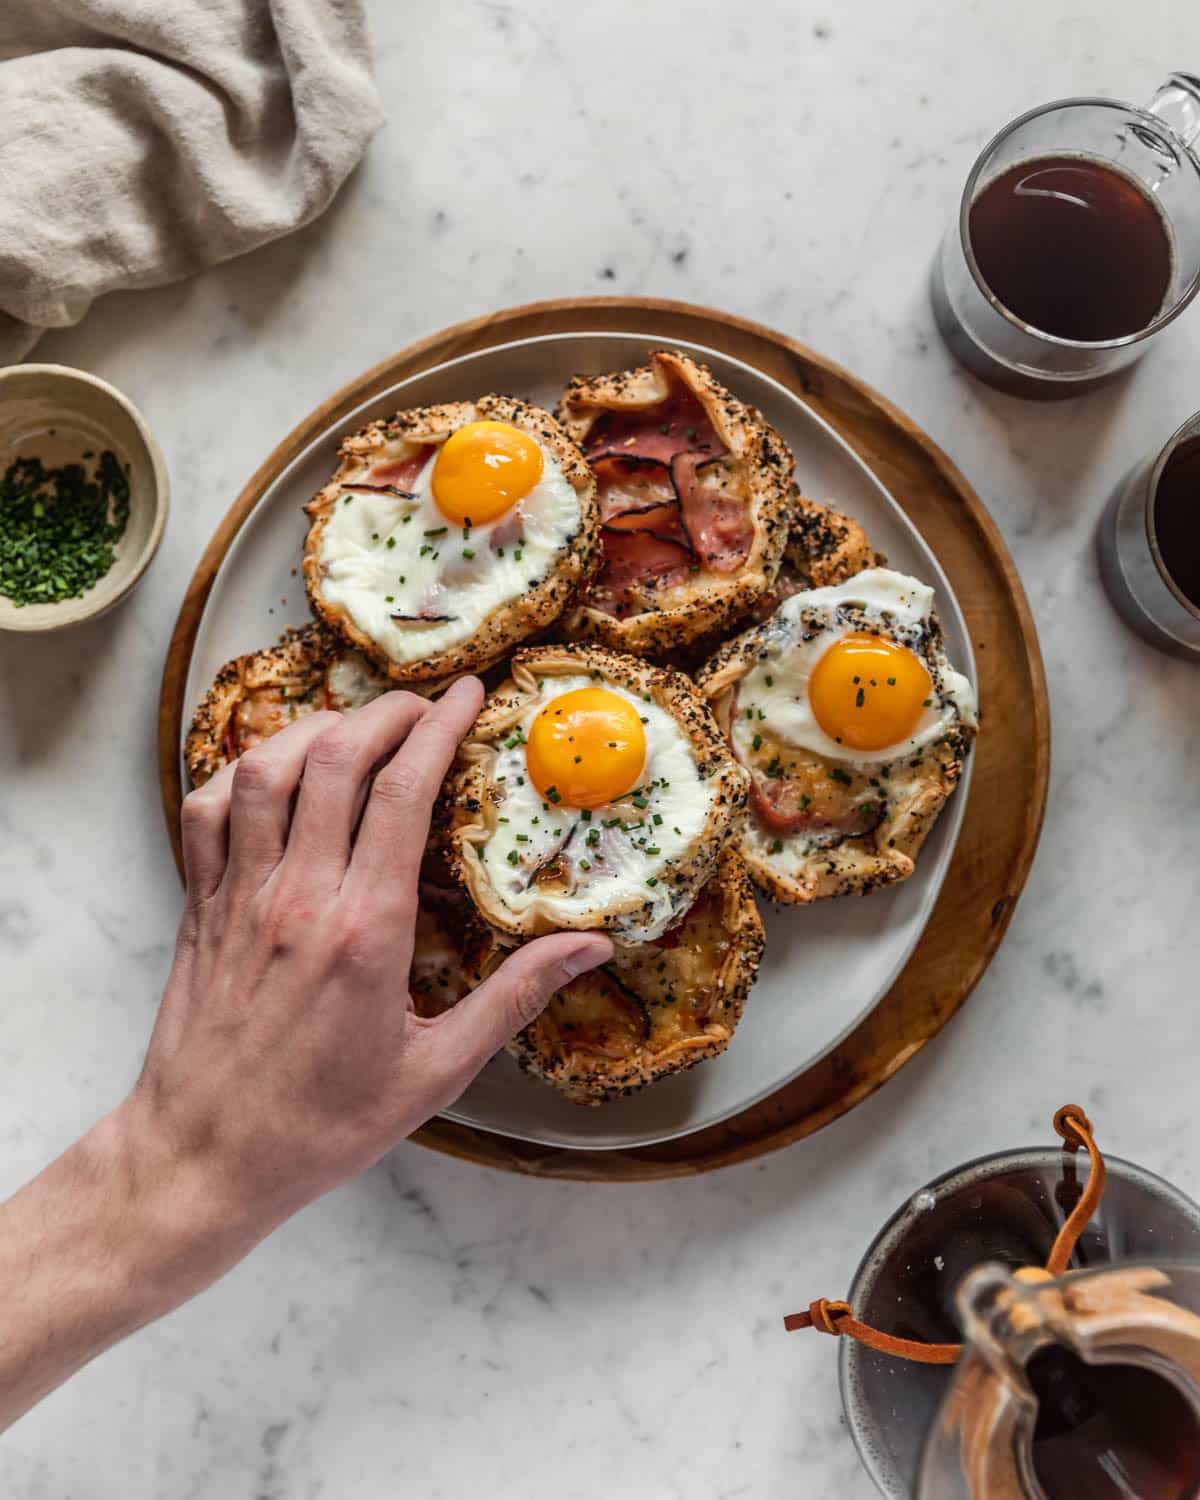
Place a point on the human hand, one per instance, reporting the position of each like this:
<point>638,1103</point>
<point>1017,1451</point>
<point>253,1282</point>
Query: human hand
<point>287,1055</point>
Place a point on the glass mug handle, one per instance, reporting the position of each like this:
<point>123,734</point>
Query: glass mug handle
<point>1177,105</point>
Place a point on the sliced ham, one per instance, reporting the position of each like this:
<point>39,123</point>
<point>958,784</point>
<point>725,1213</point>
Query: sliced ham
<point>636,563</point>
<point>256,718</point>
<point>637,494</point>
<point>715,512</point>
<point>677,425</point>
<point>797,791</point>
<point>430,611</point>
<point>400,473</point>
<point>509,531</point>
<point>781,806</point>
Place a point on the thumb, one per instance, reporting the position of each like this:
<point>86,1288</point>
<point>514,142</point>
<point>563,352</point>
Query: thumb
<point>512,997</point>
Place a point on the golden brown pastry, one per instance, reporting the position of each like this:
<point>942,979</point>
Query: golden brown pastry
<point>854,728</point>
<point>595,791</point>
<point>450,534</point>
<point>257,695</point>
<point>694,491</point>
<point>452,950</point>
<point>658,1007</point>
<point>824,547</point>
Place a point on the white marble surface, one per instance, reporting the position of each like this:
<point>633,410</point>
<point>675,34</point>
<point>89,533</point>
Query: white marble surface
<point>435,1330</point>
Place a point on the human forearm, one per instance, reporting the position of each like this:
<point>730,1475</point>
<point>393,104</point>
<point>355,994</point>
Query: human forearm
<point>108,1237</point>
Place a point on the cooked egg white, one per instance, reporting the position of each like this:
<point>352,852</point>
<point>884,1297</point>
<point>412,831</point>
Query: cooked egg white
<point>886,606</point>
<point>385,556</point>
<point>622,847</point>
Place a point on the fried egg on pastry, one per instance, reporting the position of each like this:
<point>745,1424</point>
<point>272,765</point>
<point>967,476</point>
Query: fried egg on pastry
<point>657,1007</point>
<point>257,695</point>
<point>595,791</point>
<point>450,534</point>
<point>854,728</point>
<point>694,489</point>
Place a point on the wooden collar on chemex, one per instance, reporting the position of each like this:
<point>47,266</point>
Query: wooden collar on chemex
<point>838,1317</point>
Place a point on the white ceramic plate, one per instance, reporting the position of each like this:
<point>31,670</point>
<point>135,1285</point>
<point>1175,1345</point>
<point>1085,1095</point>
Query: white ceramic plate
<point>826,965</point>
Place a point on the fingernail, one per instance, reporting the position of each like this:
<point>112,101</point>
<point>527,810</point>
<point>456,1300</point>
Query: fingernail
<point>463,686</point>
<point>589,955</point>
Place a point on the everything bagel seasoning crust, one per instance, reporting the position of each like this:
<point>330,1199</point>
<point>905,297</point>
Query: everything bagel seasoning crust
<point>542,835</point>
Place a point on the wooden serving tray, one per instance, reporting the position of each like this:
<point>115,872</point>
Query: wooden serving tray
<point>995,848</point>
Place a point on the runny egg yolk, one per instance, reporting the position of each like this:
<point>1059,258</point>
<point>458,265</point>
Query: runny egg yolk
<point>586,748</point>
<point>482,470</point>
<point>867,692</point>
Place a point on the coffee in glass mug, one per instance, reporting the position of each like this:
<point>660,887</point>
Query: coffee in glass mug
<point>1078,240</point>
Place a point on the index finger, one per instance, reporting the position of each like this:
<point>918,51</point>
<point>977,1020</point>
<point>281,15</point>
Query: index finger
<point>395,826</point>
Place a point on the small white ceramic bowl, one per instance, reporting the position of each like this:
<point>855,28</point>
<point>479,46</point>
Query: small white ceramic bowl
<point>58,414</point>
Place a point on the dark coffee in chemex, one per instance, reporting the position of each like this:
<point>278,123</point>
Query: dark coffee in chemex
<point>1110,1431</point>
<point>1177,519</point>
<point>1073,247</point>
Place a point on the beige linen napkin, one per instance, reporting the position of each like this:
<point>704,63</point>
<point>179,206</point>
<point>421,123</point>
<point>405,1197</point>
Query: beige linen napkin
<point>141,140</point>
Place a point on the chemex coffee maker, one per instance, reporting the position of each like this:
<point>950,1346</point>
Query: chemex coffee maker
<point>1085,1387</point>
<point>1071,1287</point>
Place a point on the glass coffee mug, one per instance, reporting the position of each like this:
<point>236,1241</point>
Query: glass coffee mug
<point>1078,240</point>
<point>1149,541</point>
